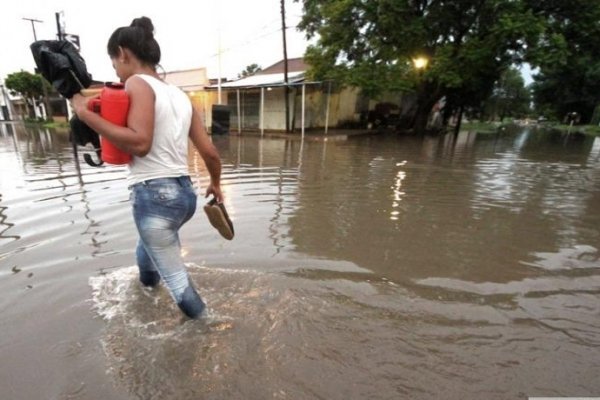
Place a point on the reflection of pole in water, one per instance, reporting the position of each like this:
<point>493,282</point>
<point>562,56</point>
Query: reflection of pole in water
<point>300,157</point>
<point>97,244</point>
<point>60,170</point>
<point>8,225</point>
<point>86,206</point>
<point>287,161</point>
<point>276,217</point>
<point>324,155</point>
<point>260,154</point>
<point>15,137</point>
<point>239,151</point>
<point>76,162</point>
<point>462,142</point>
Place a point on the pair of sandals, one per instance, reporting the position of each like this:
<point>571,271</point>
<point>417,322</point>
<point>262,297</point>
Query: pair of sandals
<point>219,219</point>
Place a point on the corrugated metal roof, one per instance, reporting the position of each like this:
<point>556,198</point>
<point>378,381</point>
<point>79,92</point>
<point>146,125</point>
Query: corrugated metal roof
<point>294,65</point>
<point>262,80</point>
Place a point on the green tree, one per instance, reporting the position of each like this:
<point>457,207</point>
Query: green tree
<point>28,85</point>
<point>249,70</point>
<point>370,44</point>
<point>568,56</point>
<point>510,97</point>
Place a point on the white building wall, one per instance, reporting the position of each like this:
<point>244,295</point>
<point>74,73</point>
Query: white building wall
<point>342,107</point>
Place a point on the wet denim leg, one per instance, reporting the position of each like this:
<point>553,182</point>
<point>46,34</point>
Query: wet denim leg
<point>160,208</point>
<point>148,274</point>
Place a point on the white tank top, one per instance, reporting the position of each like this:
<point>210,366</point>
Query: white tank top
<point>172,119</point>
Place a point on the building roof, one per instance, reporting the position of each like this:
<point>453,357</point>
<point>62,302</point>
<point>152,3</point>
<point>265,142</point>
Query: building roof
<point>189,79</point>
<point>270,76</point>
<point>294,65</point>
<point>263,80</point>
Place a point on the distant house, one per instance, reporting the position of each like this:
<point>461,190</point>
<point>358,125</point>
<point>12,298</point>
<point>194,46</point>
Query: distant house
<point>294,65</point>
<point>189,80</point>
<point>257,102</point>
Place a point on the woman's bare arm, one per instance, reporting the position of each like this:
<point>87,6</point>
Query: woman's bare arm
<point>209,154</point>
<point>136,137</point>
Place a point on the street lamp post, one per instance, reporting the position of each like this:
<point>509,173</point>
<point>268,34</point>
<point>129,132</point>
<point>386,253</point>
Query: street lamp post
<point>46,101</point>
<point>420,63</point>
<point>33,21</point>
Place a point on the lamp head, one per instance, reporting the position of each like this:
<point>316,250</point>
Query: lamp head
<point>420,62</point>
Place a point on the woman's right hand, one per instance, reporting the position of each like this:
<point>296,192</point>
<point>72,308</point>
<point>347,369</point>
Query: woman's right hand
<point>79,104</point>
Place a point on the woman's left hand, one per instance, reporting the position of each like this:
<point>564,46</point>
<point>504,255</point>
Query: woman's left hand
<point>215,190</point>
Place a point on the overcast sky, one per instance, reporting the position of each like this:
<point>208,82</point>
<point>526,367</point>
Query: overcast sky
<point>250,32</point>
<point>186,31</point>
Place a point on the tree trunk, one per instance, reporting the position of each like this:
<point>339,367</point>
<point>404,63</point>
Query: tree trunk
<point>426,99</point>
<point>459,120</point>
<point>420,123</point>
<point>31,107</point>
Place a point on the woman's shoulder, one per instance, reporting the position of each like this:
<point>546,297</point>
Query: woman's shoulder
<point>144,80</point>
<point>150,80</point>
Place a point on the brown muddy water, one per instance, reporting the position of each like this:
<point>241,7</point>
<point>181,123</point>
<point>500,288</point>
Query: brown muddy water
<point>373,268</point>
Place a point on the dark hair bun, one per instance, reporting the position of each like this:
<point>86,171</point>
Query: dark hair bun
<point>137,37</point>
<point>145,23</point>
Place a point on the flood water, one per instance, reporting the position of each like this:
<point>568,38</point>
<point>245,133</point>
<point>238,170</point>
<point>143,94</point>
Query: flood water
<point>377,267</point>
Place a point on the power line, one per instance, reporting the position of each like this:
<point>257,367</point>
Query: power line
<point>235,46</point>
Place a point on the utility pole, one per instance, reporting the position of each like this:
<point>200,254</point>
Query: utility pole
<point>219,95</point>
<point>46,101</point>
<point>285,69</point>
<point>59,26</point>
<point>33,21</point>
<point>60,34</point>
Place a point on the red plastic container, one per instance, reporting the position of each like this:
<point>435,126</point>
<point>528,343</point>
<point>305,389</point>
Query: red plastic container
<point>113,106</point>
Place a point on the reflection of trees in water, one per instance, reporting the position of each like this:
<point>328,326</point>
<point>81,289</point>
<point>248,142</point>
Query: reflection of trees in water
<point>449,219</point>
<point>543,173</point>
<point>38,146</point>
<point>268,171</point>
<point>48,164</point>
<point>92,228</point>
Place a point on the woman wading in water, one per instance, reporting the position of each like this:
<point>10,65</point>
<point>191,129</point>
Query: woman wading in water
<point>160,121</point>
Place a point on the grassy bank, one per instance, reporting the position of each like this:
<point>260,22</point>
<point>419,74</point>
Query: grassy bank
<point>55,124</point>
<point>593,130</point>
<point>47,124</point>
<point>480,127</point>
<point>492,127</point>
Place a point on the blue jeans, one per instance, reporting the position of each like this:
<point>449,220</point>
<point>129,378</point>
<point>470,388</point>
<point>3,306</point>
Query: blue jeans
<point>160,207</point>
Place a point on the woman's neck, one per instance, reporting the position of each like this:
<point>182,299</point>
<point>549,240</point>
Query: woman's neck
<point>139,68</point>
<point>146,70</point>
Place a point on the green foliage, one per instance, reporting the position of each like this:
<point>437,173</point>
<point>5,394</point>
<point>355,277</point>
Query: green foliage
<point>249,70</point>
<point>370,43</point>
<point>568,55</point>
<point>510,97</point>
<point>26,84</point>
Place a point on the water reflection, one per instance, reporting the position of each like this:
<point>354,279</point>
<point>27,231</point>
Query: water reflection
<point>460,208</point>
<point>392,262</point>
<point>5,225</point>
<point>46,175</point>
<point>404,208</point>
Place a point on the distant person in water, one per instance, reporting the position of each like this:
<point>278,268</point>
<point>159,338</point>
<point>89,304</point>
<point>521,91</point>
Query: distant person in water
<point>160,120</point>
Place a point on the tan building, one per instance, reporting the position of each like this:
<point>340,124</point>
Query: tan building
<point>188,80</point>
<point>257,102</point>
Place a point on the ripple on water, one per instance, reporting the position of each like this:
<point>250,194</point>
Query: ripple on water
<point>325,334</point>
